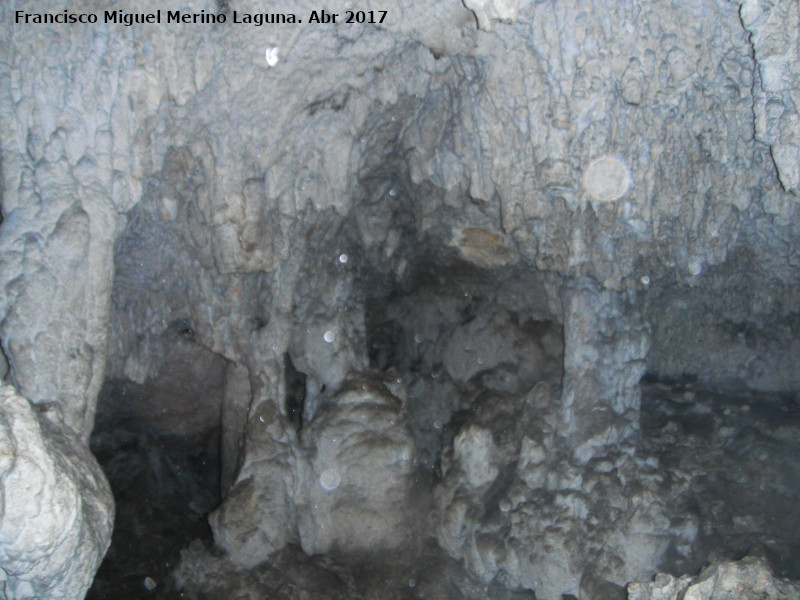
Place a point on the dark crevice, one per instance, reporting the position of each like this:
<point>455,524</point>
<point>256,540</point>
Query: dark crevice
<point>183,327</point>
<point>163,486</point>
<point>159,443</point>
<point>5,364</point>
<point>295,392</point>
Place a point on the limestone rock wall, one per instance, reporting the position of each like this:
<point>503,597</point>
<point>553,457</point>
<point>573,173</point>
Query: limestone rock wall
<point>776,47</point>
<point>496,130</point>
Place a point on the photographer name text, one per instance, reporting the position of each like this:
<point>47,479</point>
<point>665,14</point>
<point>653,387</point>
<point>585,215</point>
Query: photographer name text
<point>120,17</point>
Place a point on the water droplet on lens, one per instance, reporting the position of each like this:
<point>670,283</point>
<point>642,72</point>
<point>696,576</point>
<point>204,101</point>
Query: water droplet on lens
<point>330,480</point>
<point>437,424</point>
<point>418,338</point>
<point>329,336</point>
<point>645,280</point>
<point>343,258</point>
<point>392,191</point>
<point>505,505</point>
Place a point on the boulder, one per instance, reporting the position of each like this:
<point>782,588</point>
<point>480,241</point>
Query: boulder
<point>56,505</point>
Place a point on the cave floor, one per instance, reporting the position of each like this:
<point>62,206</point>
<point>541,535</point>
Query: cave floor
<point>739,454</point>
<point>734,454</point>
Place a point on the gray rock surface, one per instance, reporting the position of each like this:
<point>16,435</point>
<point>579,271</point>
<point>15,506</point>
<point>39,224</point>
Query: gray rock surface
<point>581,191</point>
<point>347,487</point>
<point>256,520</point>
<point>513,506</point>
<point>359,492</point>
<point>776,47</point>
<point>57,511</point>
<point>747,579</point>
<point>605,344</point>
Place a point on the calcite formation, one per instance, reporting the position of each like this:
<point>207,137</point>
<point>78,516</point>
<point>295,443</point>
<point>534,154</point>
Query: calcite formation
<point>408,270</point>
<point>56,507</point>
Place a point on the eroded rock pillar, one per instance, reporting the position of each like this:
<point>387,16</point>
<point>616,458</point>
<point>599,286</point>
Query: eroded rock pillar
<point>605,346</point>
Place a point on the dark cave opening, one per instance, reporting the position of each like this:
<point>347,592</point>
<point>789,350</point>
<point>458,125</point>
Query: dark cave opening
<point>159,426</point>
<point>163,434</point>
<point>164,485</point>
<point>719,412</point>
<point>456,332</point>
<point>159,443</point>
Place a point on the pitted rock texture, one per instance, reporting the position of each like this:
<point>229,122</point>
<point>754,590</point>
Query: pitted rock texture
<point>57,511</point>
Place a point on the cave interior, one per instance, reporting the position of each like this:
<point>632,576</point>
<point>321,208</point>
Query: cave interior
<point>498,300</point>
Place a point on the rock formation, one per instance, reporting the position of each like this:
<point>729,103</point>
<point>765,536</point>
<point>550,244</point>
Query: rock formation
<point>56,509</point>
<point>399,279</point>
<point>747,579</point>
